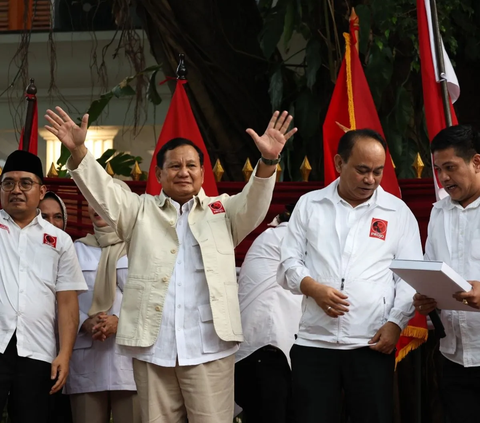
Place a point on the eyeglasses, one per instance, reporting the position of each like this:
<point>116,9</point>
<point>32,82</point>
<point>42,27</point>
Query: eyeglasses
<point>23,184</point>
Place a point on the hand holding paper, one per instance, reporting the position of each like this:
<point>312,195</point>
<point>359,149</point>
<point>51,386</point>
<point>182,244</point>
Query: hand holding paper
<point>472,297</point>
<point>437,281</point>
<point>423,304</point>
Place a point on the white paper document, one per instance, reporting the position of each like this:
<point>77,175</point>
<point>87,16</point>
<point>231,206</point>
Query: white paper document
<point>434,279</point>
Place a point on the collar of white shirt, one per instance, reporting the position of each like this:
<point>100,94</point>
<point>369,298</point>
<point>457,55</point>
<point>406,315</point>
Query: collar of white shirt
<point>37,219</point>
<point>448,204</point>
<point>379,198</point>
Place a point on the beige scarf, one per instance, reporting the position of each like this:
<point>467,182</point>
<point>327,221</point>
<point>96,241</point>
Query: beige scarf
<point>113,248</point>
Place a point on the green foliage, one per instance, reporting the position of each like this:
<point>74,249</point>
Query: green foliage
<point>121,163</point>
<point>388,46</point>
<point>124,89</point>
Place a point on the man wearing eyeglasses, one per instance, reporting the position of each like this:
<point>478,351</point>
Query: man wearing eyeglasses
<point>38,267</point>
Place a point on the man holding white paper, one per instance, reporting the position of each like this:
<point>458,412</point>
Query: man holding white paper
<point>454,238</point>
<point>337,251</point>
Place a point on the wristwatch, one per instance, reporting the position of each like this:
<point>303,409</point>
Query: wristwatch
<point>271,162</point>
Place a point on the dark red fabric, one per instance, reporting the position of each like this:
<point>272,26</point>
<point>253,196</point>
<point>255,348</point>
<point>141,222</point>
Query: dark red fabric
<point>365,117</point>
<point>33,146</point>
<point>432,95</point>
<point>180,122</point>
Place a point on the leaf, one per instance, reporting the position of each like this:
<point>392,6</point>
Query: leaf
<point>314,60</point>
<point>289,22</point>
<point>152,93</point>
<point>122,163</point>
<point>365,19</point>
<point>276,89</point>
<point>123,91</point>
<point>64,155</point>
<point>153,68</point>
<point>379,72</point>
<point>272,30</point>
<point>106,156</point>
<point>97,107</point>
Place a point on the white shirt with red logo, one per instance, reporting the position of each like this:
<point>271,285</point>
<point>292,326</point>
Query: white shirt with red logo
<point>350,249</point>
<point>36,262</point>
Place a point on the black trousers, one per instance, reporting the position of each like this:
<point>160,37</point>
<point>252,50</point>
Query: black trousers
<point>460,392</point>
<point>321,375</point>
<point>26,384</point>
<point>263,386</point>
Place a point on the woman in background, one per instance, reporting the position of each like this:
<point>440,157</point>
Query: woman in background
<point>101,381</point>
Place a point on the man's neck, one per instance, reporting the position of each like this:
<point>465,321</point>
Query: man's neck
<point>23,220</point>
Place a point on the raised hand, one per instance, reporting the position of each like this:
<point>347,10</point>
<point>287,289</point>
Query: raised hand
<point>65,129</point>
<point>271,143</point>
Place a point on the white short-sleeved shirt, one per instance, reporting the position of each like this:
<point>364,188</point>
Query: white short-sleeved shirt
<point>37,261</point>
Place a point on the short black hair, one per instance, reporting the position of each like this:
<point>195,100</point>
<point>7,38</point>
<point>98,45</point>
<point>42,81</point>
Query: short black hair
<point>348,140</point>
<point>287,213</point>
<point>464,139</point>
<point>172,145</point>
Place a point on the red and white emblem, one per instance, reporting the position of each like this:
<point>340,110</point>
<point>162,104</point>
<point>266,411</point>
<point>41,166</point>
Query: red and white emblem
<point>50,240</point>
<point>378,229</point>
<point>4,227</point>
<point>217,207</point>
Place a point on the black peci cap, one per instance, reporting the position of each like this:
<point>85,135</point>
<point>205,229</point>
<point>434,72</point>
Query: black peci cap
<point>23,161</point>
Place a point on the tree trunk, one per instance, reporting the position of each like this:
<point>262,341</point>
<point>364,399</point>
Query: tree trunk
<point>227,74</point>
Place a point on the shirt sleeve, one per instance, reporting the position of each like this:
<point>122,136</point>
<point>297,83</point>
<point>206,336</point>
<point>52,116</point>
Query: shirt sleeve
<point>292,269</point>
<point>69,273</point>
<point>409,248</point>
<point>247,209</point>
<point>118,207</point>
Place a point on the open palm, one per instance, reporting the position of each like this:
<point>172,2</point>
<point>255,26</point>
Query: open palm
<point>65,129</point>
<point>271,143</point>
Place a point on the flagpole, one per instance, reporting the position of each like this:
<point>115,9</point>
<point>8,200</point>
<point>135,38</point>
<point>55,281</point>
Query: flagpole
<point>437,39</point>
<point>181,68</point>
<point>31,92</point>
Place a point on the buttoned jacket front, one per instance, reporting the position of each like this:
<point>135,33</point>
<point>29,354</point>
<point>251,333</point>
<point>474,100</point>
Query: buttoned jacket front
<point>361,270</point>
<point>147,224</point>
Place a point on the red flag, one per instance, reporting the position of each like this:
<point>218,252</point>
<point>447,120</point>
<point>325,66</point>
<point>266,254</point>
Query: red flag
<point>33,145</point>
<point>180,122</point>
<point>432,97</point>
<point>352,107</point>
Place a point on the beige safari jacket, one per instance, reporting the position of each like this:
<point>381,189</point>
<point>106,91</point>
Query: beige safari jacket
<point>147,224</point>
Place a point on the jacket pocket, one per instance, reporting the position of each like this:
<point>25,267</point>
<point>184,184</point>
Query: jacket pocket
<point>221,234</point>
<point>211,343</point>
<point>131,307</point>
